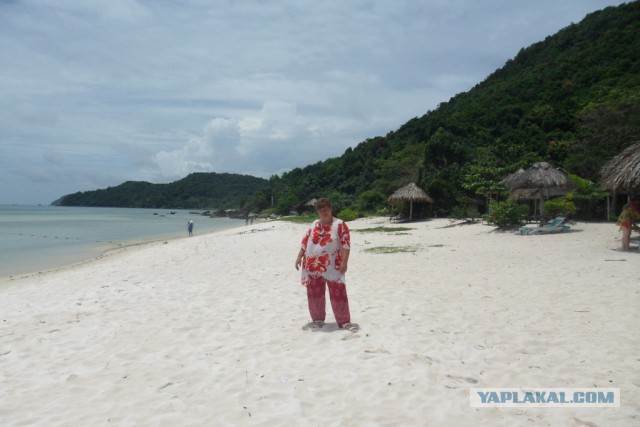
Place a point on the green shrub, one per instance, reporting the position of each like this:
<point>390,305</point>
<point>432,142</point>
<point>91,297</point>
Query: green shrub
<point>559,207</point>
<point>589,199</point>
<point>383,212</point>
<point>348,214</point>
<point>507,214</point>
<point>371,199</point>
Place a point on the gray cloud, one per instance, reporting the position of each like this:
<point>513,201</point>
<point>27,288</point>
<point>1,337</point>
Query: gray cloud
<point>103,91</point>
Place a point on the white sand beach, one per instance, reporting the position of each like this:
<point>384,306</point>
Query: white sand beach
<point>207,331</point>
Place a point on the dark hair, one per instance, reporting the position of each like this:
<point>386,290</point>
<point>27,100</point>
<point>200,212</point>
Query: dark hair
<point>323,202</point>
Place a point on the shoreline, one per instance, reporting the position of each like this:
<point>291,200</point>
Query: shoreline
<point>101,253</point>
<point>208,330</point>
<point>40,239</point>
<point>126,247</point>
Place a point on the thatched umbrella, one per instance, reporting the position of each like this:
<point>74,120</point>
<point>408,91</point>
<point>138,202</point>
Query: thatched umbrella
<point>410,193</point>
<point>623,171</point>
<point>534,193</point>
<point>511,177</point>
<point>544,178</point>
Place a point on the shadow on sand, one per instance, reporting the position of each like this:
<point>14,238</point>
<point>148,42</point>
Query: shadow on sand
<point>327,327</point>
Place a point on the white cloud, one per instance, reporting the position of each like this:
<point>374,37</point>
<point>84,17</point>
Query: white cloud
<point>231,144</point>
<point>190,158</point>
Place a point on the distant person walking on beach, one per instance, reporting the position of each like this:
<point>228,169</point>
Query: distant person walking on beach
<point>324,257</point>
<point>630,214</point>
<point>190,227</point>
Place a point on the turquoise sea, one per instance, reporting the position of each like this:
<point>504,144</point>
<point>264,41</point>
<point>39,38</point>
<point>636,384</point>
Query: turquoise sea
<point>39,238</point>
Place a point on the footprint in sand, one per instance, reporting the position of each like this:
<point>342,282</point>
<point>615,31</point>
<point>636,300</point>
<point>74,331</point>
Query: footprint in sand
<point>369,353</point>
<point>420,358</point>
<point>379,350</point>
<point>458,379</point>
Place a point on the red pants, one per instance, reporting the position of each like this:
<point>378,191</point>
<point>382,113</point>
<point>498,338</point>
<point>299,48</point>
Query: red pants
<point>337,295</point>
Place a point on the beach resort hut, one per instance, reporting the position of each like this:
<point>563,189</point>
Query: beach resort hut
<point>622,172</point>
<point>534,195</point>
<point>511,177</point>
<point>621,175</point>
<point>541,180</point>
<point>410,193</point>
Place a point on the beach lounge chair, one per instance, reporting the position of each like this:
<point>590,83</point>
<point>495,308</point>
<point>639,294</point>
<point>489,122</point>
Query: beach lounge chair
<point>555,226</point>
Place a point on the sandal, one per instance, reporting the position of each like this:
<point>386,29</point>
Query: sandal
<point>351,327</point>
<point>316,324</point>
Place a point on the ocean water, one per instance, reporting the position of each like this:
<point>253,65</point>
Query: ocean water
<point>39,238</point>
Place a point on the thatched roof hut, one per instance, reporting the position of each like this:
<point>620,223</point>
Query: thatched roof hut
<point>539,181</point>
<point>540,175</point>
<point>534,193</point>
<point>410,193</point>
<point>622,172</point>
<point>511,177</point>
<point>311,203</point>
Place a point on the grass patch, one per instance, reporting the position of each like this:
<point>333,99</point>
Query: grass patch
<point>391,249</point>
<point>300,219</point>
<point>383,229</point>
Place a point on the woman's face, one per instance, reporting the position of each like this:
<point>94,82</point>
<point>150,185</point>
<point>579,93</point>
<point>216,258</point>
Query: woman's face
<point>325,214</point>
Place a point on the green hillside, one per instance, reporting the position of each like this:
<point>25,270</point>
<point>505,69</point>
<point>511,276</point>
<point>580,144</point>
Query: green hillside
<point>198,190</point>
<point>572,99</point>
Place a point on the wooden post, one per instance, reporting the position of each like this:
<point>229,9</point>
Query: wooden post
<point>614,203</point>
<point>541,209</point>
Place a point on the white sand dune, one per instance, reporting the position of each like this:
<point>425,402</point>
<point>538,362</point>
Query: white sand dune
<point>208,331</point>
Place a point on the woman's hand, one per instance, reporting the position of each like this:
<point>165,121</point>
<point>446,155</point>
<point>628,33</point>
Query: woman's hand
<point>343,267</point>
<point>344,254</point>
<point>299,260</point>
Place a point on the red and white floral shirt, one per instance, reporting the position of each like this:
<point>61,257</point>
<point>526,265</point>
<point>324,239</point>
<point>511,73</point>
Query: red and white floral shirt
<point>322,245</point>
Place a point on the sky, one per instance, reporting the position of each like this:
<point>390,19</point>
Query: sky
<point>97,92</point>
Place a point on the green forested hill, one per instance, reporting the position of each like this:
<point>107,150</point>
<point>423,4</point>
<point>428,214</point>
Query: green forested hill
<point>198,190</point>
<point>572,99</point>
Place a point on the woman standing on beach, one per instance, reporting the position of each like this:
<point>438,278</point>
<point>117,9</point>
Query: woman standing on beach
<point>324,257</point>
<point>629,215</point>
